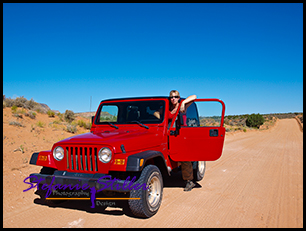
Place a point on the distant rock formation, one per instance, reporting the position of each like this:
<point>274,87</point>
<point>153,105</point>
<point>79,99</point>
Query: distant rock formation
<point>45,108</point>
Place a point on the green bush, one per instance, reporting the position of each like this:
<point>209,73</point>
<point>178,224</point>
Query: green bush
<point>14,108</point>
<point>83,124</point>
<point>31,114</point>
<point>88,126</point>
<point>30,104</point>
<point>17,115</point>
<point>23,103</point>
<point>60,116</point>
<point>255,120</point>
<point>51,113</point>
<point>9,102</point>
<point>20,101</point>
<point>71,128</point>
<point>56,122</point>
<point>69,116</point>
<point>40,124</point>
<point>15,123</point>
<point>38,109</point>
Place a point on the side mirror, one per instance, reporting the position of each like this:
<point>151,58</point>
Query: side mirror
<point>92,119</point>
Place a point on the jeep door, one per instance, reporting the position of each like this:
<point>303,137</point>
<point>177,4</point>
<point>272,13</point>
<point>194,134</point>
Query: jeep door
<point>198,134</point>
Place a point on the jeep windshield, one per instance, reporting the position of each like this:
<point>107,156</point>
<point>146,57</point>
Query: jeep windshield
<point>128,112</point>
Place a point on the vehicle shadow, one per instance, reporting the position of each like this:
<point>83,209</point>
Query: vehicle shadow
<point>176,181</point>
<point>105,204</point>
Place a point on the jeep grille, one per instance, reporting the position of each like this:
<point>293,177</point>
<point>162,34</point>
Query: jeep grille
<point>82,158</point>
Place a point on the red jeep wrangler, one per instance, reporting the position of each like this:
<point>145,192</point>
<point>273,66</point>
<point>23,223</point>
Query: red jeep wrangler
<point>128,141</point>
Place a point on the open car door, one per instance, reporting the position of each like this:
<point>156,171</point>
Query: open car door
<point>198,134</point>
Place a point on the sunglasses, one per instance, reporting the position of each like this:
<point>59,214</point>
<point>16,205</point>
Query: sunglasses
<point>174,97</point>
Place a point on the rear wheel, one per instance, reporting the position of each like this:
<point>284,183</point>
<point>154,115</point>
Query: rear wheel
<point>149,200</point>
<point>199,168</point>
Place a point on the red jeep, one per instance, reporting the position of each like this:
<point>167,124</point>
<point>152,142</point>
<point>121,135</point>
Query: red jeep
<point>128,141</point>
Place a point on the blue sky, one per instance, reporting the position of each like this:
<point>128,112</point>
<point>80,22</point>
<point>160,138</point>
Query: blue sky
<point>248,55</point>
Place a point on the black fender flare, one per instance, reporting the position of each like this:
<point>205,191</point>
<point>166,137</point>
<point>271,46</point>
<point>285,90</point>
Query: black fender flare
<point>34,158</point>
<point>133,161</point>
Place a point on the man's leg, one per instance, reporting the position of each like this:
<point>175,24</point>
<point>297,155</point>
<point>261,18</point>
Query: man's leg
<point>187,174</point>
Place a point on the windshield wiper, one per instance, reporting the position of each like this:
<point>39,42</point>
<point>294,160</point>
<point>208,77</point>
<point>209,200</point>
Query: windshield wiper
<point>112,125</point>
<point>135,121</point>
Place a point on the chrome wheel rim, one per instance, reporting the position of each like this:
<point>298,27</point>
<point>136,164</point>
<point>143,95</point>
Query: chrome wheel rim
<point>154,191</point>
<point>201,166</point>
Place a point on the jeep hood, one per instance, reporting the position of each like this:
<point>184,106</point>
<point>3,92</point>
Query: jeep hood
<point>133,140</point>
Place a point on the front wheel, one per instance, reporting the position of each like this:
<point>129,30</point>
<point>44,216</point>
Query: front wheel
<point>145,203</point>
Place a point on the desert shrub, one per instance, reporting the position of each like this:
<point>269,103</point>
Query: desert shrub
<point>255,120</point>
<point>38,109</point>
<point>69,116</point>
<point>60,116</point>
<point>9,102</point>
<point>51,113</point>
<point>20,101</point>
<point>14,108</point>
<point>40,124</point>
<point>21,148</point>
<point>17,115</point>
<point>30,104</point>
<point>24,103</point>
<point>241,122</point>
<point>71,128</point>
<point>83,124</point>
<point>21,111</point>
<point>226,121</point>
<point>228,129</point>
<point>56,122</point>
<point>15,123</point>
<point>31,114</point>
<point>231,123</point>
<point>88,126</point>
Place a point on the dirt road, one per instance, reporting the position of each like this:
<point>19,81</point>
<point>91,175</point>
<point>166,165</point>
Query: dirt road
<point>258,182</point>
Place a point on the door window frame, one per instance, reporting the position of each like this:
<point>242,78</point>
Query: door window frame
<point>171,128</point>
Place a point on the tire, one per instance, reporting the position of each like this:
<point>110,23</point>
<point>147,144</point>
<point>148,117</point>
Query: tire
<point>150,200</point>
<point>42,193</point>
<point>199,168</point>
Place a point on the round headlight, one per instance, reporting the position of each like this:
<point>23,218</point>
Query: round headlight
<point>58,153</point>
<point>105,155</point>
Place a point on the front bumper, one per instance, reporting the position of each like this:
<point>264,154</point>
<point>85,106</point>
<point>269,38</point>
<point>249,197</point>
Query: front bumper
<point>98,181</point>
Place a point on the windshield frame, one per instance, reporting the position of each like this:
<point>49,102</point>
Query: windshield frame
<point>121,103</point>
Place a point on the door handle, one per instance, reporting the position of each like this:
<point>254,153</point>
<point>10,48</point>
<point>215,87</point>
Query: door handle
<point>213,132</point>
